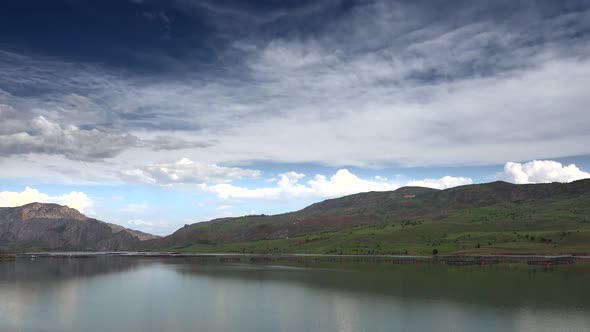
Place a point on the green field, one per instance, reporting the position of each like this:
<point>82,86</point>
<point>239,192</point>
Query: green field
<point>544,226</point>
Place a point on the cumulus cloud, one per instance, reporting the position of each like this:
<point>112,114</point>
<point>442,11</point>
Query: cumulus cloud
<point>442,183</point>
<point>287,185</point>
<point>186,171</point>
<point>75,199</point>
<point>541,171</point>
<point>343,182</point>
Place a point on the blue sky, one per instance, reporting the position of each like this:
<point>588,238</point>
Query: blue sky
<point>154,114</point>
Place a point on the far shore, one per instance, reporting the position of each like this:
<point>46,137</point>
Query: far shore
<point>459,260</point>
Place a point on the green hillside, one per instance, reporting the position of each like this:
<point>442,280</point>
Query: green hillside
<point>487,218</point>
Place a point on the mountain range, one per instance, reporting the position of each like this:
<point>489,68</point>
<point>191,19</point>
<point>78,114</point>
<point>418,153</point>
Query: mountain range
<point>495,217</point>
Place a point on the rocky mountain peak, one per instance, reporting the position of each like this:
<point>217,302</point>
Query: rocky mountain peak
<point>49,211</point>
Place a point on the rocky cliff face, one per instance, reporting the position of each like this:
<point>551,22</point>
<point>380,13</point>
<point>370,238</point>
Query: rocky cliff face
<point>57,227</point>
<point>49,211</point>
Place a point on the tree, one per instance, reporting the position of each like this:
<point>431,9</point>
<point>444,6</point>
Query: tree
<point>434,251</point>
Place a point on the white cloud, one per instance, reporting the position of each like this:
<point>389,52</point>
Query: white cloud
<point>29,195</point>
<point>75,199</point>
<point>140,222</point>
<point>541,171</point>
<point>186,171</point>
<point>343,182</point>
<point>442,183</point>
<point>286,186</point>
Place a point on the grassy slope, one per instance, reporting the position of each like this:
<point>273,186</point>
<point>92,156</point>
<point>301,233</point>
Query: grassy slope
<point>537,226</point>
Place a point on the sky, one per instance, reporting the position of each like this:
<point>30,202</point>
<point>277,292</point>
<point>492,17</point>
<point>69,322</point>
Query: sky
<point>154,114</point>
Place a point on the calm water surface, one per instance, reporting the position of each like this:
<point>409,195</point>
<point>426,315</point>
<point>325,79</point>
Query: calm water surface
<point>139,294</point>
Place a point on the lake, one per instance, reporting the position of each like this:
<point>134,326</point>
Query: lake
<point>181,294</point>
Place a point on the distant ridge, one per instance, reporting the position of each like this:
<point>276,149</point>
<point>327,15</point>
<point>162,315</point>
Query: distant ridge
<point>466,208</point>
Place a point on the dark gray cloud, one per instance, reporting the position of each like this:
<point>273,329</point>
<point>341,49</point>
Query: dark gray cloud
<point>46,137</point>
<point>22,134</point>
<point>174,143</point>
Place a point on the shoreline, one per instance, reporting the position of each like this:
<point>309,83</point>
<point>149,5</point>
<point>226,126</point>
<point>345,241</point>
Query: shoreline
<point>483,260</point>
